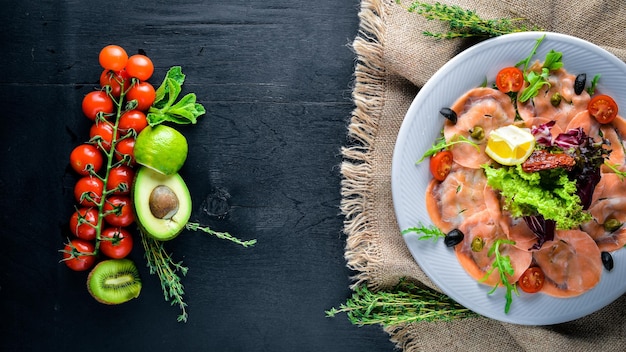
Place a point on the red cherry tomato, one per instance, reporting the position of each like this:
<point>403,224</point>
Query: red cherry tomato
<point>603,108</point>
<point>83,223</point>
<point>78,255</point>
<point>531,280</point>
<point>115,80</point>
<point>116,243</point>
<point>85,158</point>
<point>120,178</point>
<point>102,132</point>
<point>113,57</point>
<point>140,67</point>
<point>119,211</point>
<point>97,102</point>
<point>510,79</point>
<point>132,120</point>
<point>88,191</point>
<point>143,93</point>
<point>125,149</point>
<point>440,164</point>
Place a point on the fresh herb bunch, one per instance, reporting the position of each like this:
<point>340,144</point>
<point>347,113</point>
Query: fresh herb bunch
<point>405,303</point>
<point>465,23</point>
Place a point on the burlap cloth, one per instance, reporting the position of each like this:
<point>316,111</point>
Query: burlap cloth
<point>394,59</point>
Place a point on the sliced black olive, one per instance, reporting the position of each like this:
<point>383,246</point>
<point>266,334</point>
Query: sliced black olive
<point>453,238</point>
<point>448,114</point>
<point>579,83</point>
<point>607,260</point>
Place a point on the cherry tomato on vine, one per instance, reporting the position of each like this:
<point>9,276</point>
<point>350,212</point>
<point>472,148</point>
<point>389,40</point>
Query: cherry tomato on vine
<point>510,79</point>
<point>97,102</point>
<point>115,79</point>
<point>102,132</point>
<point>83,223</point>
<point>603,108</point>
<point>132,120</point>
<point>143,93</point>
<point>440,164</point>
<point>119,211</point>
<point>140,67</point>
<point>532,280</point>
<point>120,178</point>
<point>86,157</point>
<point>116,243</point>
<point>126,147</point>
<point>77,255</point>
<point>88,191</point>
<point>113,57</point>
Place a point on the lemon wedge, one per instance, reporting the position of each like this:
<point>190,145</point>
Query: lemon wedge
<point>510,145</point>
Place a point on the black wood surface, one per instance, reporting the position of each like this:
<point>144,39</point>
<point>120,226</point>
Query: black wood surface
<point>275,78</point>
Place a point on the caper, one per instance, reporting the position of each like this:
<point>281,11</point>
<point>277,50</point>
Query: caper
<point>478,133</point>
<point>449,114</point>
<point>579,83</point>
<point>555,99</point>
<point>453,238</point>
<point>612,224</point>
<point>477,244</point>
<point>607,260</point>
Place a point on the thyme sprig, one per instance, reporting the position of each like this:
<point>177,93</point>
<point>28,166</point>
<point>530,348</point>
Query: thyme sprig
<point>463,23</point>
<point>161,263</point>
<point>192,226</point>
<point>405,303</point>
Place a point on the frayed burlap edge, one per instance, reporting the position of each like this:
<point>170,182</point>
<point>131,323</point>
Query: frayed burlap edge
<point>362,250</point>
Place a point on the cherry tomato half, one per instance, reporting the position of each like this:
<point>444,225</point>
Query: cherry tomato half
<point>132,120</point>
<point>140,67</point>
<point>440,164</point>
<point>77,255</point>
<point>510,79</point>
<point>113,57</point>
<point>97,102</point>
<point>116,243</point>
<point>86,157</point>
<point>603,108</point>
<point>143,93</point>
<point>83,223</point>
<point>115,79</point>
<point>120,178</point>
<point>532,280</point>
<point>119,211</point>
<point>102,132</point>
<point>125,148</point>
<point>88,191</point>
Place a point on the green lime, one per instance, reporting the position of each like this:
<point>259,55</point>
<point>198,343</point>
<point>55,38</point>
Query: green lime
<point>161,148</point>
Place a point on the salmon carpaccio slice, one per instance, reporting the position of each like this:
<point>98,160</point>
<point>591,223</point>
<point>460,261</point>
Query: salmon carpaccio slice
<point>480,107</point>
<point>571,263</point>
<point>608,202</point>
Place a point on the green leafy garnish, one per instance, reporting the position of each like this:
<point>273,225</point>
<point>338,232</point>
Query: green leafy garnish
<point>427,233</point>
<point>502,263</point>
<point>441,144</point>
<point>526,61</point>
<point>594,82</point>
<point>165,108</point>
<point>615,168</point>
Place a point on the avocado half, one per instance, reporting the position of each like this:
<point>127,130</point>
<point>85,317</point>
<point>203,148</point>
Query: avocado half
<point>162,203</point>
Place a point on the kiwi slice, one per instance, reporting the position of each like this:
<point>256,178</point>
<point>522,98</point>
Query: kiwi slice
<point>114,281</point>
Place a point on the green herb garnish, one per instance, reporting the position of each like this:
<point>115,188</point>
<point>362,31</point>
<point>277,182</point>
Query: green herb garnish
<point>594,82</point>
<point>165,107</point>
<point>502,263</point>
<point>536,81</point>
<point>427,233</point>
<point>441,144</point>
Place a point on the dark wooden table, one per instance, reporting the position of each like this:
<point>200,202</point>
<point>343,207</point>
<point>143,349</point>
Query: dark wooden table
<point>275,77</point>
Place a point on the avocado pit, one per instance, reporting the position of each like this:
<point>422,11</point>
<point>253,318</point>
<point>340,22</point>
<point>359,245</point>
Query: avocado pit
<point>163,202</point>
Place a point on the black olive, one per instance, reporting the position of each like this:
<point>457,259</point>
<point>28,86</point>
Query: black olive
<point>448,114</point>
<point>607,260</point>
<point>453,238</point>
<point>579,83</point>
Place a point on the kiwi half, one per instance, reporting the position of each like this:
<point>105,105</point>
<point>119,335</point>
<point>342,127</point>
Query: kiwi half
<point>114,281</point>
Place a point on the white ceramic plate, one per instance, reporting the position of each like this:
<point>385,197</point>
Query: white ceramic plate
<point>421,126</point>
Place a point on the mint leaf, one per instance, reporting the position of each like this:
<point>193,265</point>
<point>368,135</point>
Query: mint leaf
<point>166,109</point>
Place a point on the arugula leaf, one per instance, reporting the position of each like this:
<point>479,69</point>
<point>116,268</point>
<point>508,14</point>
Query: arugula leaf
<point>503,264</point>
<point>526,61</point>
<point>441,144</point>
<point>594,82</point>
<point>165,108</point>
<point>428,233</point>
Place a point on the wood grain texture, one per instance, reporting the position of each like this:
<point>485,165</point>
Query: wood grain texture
<point>274,76</point>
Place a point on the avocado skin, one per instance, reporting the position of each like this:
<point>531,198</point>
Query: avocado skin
<point>145,181</point>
